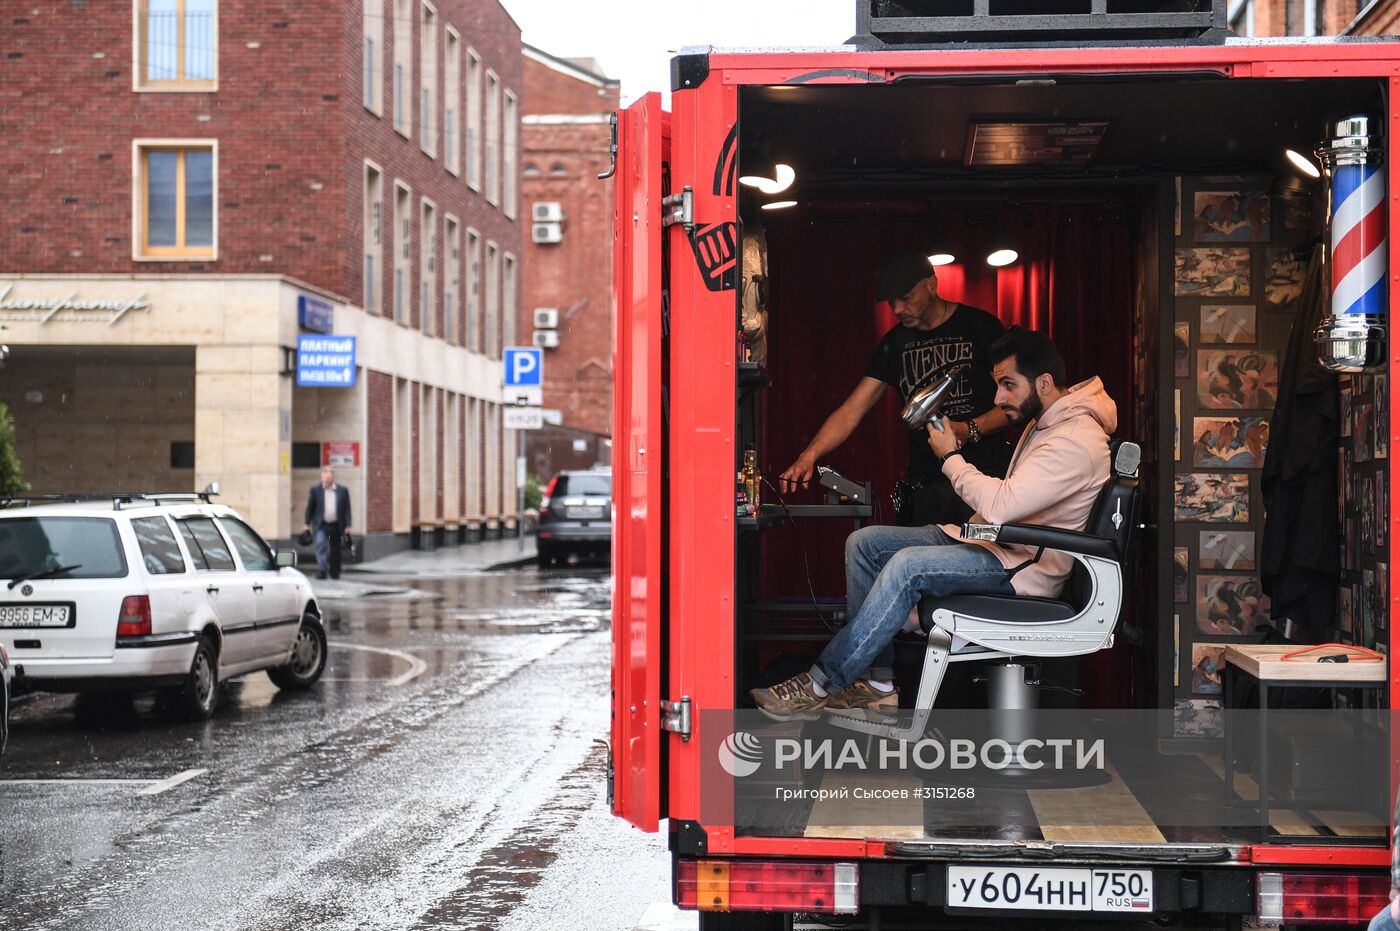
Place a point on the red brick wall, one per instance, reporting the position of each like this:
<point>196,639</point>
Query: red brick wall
<point>292,137</point>
<point>379,457</point>
<point>575,275</point>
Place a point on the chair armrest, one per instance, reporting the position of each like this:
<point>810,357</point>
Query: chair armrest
<point>1052,538</point>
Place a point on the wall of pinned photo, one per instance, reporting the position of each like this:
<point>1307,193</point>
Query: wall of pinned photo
<point>1227,324</point>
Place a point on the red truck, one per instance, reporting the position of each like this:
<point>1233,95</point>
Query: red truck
<point>1142,179</point>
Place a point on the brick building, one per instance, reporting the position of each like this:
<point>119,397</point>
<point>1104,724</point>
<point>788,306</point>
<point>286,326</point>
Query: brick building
<point>189,187</point>
<point>567,285</point>
<point>1272,18</point>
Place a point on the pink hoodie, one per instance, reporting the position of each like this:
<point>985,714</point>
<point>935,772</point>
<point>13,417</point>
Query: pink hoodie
<point>1058,469</point>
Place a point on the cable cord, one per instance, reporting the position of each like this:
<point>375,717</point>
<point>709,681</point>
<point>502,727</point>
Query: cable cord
<point>806,568</point>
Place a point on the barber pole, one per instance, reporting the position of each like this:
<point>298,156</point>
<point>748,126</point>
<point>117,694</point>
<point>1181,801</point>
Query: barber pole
<point>1352,339</point>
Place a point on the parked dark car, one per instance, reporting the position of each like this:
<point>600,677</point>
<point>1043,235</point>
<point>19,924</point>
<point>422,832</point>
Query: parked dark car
<point>576,517</point>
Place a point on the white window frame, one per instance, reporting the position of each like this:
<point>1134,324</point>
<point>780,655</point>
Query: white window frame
<point>452,280</point>
<point>510,149</point>
<point>141,84</point>
<point>372,57</point>
<point>427,84</point>
<point>138,200</point>
<point>373,239</point>
<point>403,242</point>
<point>493,138</point>
<point>472,313</point>
<point>472,123</point>
<point>427,266</point>
<point>452,102</point>
<point>510,298</point>
<point>403,68</point>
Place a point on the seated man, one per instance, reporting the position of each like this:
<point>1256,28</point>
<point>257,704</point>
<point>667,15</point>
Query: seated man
<point>1059,466</point>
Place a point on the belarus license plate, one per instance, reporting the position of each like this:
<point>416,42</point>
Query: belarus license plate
<point>36,615</point>
<point>591,512</point>
<point>1054,889</point>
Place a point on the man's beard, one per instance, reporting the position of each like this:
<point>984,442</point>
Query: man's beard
<point>1029,409</point>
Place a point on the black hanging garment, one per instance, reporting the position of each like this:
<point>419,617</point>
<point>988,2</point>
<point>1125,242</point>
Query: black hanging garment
<point>1298,558</point>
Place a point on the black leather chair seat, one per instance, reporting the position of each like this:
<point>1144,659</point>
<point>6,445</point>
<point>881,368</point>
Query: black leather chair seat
<point>1009,608</point>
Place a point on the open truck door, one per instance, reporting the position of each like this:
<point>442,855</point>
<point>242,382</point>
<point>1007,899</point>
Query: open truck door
<point>639,596</point>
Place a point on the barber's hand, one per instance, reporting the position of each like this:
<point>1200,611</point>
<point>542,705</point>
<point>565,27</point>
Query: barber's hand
<point>959,428</point>
<point>797,474</point>
<point>941,442</point>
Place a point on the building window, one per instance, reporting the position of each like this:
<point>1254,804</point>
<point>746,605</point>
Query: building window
<point>473,121</point>
<point>428,43</point>
<point>493,138</point>
<point>558,170</point>
<point>508,156</point>
<point>473,317</point>
<point>531,170</point>
<point>510,313</point>
<point>176,44</point>
<point>493,300</point>
<point>427,272</point>
<point>402,251</point>
<point>175,208</point>
<point>452,101</point>
<point>373,30</point>
<point>403,59</point>
<point>374,236</point>
<point>452,285</point>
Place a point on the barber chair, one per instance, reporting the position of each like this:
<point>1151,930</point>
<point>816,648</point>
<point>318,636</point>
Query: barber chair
<point>967,628</point>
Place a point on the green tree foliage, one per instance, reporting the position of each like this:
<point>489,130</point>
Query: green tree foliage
<point>11,470</point>
<point>534,492</point>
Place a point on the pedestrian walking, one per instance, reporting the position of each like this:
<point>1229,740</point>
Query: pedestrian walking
<point>328,516</point>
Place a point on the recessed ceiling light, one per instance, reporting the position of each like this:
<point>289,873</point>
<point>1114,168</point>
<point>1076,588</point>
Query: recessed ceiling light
<point>1002,258</point>
<point>780,204</point>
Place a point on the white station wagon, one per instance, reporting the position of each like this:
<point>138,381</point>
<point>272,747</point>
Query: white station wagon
<point>150,591</point>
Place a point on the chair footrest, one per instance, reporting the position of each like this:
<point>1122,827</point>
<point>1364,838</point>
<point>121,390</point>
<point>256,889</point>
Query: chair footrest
<point>1010,609</point>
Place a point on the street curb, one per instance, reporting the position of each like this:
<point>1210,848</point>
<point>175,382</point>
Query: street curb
<point>520,563</point>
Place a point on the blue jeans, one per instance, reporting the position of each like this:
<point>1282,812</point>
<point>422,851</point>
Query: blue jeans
<point>328,549</point>
<point>1383,921</point>
<point>888,571</point>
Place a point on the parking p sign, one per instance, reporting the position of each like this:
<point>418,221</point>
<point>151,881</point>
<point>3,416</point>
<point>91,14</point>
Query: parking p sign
<point>524,367</point>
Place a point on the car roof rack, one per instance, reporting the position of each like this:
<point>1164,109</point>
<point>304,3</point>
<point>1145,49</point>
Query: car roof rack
<point>118,498</point>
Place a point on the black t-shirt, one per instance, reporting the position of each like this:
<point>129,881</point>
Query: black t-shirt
<point>909,359</point>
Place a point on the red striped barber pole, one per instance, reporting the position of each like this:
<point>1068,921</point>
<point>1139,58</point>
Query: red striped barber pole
<point>1353,338</point>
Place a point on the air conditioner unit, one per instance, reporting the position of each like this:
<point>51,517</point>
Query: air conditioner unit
<point>547,211</point>
<point>546,232</point>
<point>547,339</point>
<point>546,318</point>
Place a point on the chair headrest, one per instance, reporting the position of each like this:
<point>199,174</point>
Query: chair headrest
<point>1125,456</point>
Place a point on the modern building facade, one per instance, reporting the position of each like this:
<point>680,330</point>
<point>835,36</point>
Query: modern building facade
<point>193,185</point>
<point>567,292</point>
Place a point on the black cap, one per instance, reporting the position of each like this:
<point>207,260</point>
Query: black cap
<point>900,273</point>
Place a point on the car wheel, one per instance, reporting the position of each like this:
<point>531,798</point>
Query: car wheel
<point>196,697</point>
<point>544,555</point>
<point>308,658</point>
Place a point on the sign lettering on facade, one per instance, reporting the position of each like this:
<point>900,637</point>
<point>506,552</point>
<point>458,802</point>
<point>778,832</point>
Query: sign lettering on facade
<point>325,361</point>
<point>44,309</point>
<point>315,314</point>
<point>340,454</point>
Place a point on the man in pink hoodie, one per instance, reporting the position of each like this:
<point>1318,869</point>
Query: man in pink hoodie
<point>1059,466</point>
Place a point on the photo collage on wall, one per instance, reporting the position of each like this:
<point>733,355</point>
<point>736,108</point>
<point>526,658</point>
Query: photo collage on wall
<point>1362,475</point>
<point>1238,275</point>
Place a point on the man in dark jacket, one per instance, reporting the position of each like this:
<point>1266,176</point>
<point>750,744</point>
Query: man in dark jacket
<point>328,514</point>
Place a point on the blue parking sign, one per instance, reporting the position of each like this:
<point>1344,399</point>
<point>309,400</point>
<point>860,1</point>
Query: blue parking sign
<point>325,361</point>
<point>524,367</point>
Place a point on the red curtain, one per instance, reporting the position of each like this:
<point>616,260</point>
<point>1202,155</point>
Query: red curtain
<point>1073,279</point>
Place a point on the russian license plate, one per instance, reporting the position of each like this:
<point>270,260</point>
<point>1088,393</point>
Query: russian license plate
<point>1053,889</point>
<point>589,512</point>
<point>35,615</point>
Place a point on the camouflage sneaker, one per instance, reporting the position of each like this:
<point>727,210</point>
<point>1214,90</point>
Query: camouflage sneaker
<point>861,696</point>
<point>794,699</point>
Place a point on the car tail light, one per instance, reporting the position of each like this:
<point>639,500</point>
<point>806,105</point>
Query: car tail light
<point>1321,898</point>
<point>768,886</point>
<point>548,493</point>
<point>134,619</point>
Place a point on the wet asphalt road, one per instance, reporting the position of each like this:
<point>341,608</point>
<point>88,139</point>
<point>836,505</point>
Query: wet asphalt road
<point>442,775</point>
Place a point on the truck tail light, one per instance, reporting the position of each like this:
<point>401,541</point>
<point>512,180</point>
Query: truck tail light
<point>134,619</point>
<point>1321,898</point>
<point>548,493</point>
<point>768,886</point>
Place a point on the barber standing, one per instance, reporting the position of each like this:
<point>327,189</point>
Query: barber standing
<point>328,514</point>
<point>932,337</point>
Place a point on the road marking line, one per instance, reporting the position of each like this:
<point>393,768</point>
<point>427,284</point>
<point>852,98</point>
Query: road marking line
<point>172,782</point>
<point>416,666</point>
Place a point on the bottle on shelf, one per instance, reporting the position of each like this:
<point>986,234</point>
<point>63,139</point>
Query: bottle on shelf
<point>750,474</point>
<point>741,495</point>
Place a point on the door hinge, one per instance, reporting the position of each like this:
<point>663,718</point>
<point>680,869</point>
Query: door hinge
<point>679,208</point>
<point>607,748</point>
<point>675,717</point>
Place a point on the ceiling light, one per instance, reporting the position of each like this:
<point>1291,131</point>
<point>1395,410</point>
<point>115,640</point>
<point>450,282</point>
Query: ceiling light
<point>1303,163</point>
<point>938,259</point>
<point>1002,258</point>
<point>783,176</point>
<point>780,204</point>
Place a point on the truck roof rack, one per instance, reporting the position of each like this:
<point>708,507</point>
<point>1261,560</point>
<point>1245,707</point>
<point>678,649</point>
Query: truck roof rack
<point>118,498</point>
<point>1083,22</point>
